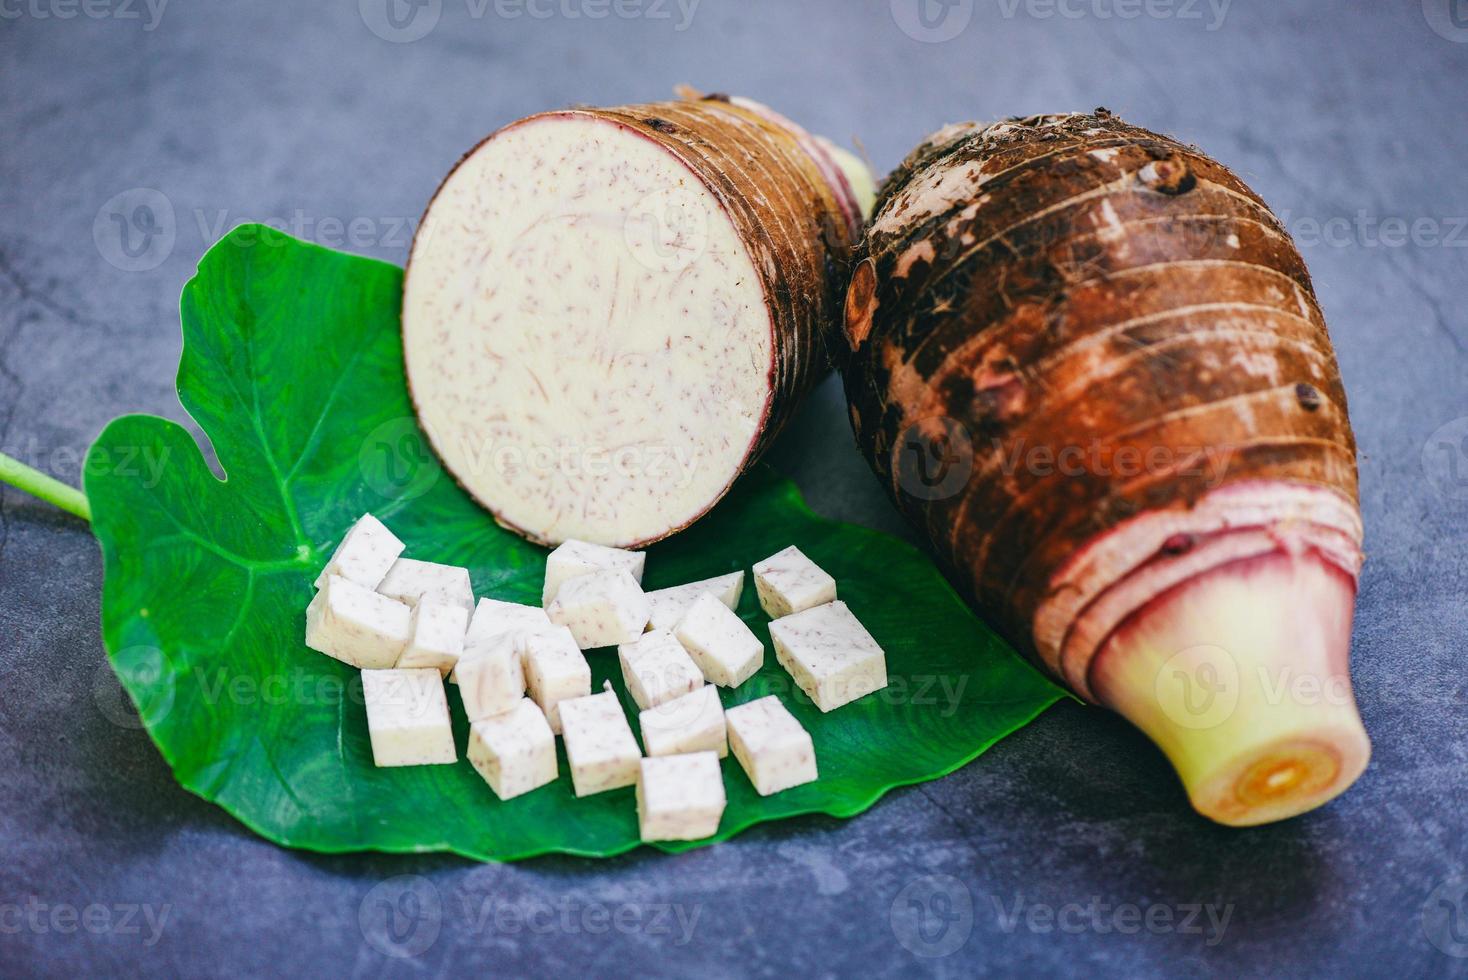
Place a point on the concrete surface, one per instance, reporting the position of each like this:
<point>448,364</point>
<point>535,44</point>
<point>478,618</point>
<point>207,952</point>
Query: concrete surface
<point>1349,117</point>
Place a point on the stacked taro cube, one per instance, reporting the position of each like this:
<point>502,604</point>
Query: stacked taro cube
<point>523,677</point>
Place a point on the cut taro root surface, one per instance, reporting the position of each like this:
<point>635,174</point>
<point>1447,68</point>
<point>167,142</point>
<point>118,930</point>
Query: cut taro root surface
<point>1089,365</point>
<point>608,314</point>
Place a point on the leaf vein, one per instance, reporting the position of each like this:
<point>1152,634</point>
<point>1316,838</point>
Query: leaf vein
<point>331,396</point>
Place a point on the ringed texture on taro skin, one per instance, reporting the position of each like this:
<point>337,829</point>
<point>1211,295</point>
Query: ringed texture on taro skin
<point>1088,364</point>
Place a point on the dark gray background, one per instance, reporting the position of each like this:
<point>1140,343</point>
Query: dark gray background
<point>1349,117</point>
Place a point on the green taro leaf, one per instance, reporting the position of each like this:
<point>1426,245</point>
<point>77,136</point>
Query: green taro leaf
<point>292,365</point>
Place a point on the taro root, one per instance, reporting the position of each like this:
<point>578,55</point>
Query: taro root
<point>609,314</point>
<point>1089,366</point>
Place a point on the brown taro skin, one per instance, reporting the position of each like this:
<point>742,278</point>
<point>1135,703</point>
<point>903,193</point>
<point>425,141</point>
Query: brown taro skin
<point>796,225</point>
<point>1074,283</point>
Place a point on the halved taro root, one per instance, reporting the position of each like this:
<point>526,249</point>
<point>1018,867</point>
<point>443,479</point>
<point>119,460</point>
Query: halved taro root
<point>609,314</point>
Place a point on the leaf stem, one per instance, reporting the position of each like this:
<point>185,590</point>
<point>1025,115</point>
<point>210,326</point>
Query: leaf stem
<point>50,489</point>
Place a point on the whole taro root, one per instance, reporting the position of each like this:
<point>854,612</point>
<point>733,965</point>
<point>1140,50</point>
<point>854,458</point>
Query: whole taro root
<point>1089,365</point>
